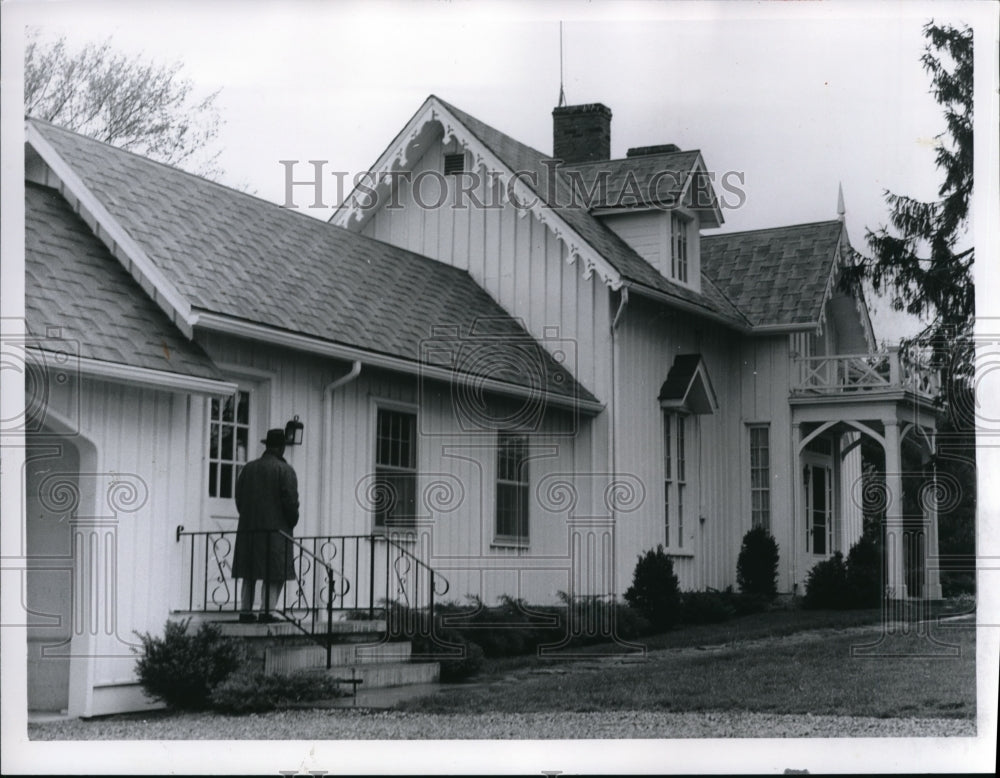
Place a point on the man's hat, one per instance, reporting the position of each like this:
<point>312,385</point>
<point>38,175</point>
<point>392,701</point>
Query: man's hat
<point>275,438</point>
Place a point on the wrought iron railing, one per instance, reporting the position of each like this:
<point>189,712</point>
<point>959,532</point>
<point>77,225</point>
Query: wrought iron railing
<point>332,573</point>
<point>848,373</point>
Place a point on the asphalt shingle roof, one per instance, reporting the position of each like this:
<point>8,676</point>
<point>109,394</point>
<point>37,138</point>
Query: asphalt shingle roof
<point>777,275</point>
<point>658,178</point>
<point>605,241</point>
<point>73,283</point>
<point>237,255</point>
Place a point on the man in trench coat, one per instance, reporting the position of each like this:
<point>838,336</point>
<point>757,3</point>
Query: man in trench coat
<point>267,498</point>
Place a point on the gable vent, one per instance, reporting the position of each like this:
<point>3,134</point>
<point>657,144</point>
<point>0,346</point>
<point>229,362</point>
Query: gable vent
<point>454,164</point>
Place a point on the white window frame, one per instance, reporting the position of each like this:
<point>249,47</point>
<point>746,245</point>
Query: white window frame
<point>765,519</point>
<point>258,386</point>
<point>523,486</point>
<point>680,248</point>
<point>812,462</point>
<point>677,451</point>
<point>390,406</point>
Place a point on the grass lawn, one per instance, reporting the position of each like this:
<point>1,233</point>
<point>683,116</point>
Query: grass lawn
<point>909,676</point>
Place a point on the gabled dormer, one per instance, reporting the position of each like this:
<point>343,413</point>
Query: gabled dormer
<point>657,199</point>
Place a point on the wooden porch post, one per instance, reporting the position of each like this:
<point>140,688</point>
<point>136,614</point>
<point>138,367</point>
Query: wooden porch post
<point>932,564</point>
<point>894,512</point>
<point>798,503</point>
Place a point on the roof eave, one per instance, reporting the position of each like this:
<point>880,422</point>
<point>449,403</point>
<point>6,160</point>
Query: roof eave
<point>395,157</point>
<point>686,305</point>
<point>164,380</point>
<point>228,325</point>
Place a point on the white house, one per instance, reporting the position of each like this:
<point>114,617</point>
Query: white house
<point>511,376</point>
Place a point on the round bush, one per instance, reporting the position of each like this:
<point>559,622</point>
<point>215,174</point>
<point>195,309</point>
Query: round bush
<point>826,584</point>
<point>654,591</point>
<point>757,566</point>
<point>181,669</point>
<point>864,574</point>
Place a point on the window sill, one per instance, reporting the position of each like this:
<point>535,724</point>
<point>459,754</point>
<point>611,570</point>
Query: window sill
<point>509,544</point>
<point>679,554</point>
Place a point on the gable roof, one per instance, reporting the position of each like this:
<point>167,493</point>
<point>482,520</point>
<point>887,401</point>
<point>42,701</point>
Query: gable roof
<point>633,269</point>
<point>775,276</point>
<point>75,287</point>
<point>655,179</point>
<point>234,255</point>
<point>688,386</point>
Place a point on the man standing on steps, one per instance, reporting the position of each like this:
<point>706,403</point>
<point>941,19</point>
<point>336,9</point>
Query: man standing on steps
<point>267,498</point>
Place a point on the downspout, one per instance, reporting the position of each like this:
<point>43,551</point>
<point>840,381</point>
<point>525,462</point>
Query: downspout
<point>613,407</point>
<point>326,448</point>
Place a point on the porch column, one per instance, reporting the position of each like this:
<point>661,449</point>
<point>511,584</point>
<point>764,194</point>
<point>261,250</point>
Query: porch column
<point>932,565</point>
<point>894,512</point>
<point>798,504</point>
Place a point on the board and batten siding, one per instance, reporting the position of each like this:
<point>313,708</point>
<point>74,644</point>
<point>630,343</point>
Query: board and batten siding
<point>649,337</point>
<point>513,257</point>
<point>766,377</point>
<point>648,232</point>
<point>138,477</point>
<point>456,482</point>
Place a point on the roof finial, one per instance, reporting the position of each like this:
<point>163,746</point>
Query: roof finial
<point>562,94</point>
<point>840,202</point>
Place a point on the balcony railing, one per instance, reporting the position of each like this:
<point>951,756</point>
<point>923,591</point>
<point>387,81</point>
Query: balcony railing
<point>849,374</point>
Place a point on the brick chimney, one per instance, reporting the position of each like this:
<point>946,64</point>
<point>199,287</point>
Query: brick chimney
<point>581,133</point>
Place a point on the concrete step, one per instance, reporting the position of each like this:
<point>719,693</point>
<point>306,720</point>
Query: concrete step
<point>286,659</point>
<point>339,629</point>
<point>381,675</point>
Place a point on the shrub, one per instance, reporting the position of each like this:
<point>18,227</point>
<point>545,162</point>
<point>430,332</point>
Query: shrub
<point>706,607</point>
<point>629,623</point>
<point>257,692</point>
<point>654,591</point>
<point>181,669</point>
<point>826,584</point>
<point>864,574</point>
<point>954,584</point>
<point>757,565</point>
<point>745,604</point>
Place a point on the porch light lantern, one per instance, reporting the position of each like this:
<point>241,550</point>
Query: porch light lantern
<point>293,432</point>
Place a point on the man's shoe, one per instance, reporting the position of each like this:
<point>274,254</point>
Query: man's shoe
<point>248,618</point>
<point>267,618</point>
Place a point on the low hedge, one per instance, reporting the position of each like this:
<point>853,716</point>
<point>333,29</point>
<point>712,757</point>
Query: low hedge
<point>257,692</point>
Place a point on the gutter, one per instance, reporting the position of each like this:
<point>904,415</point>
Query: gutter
<point>326,446</point>
<point>313,345</point>
<point>777,329</point>
<point>684,305</point>
<point>163,380</point>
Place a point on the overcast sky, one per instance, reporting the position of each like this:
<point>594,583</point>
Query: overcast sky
<point>797,97</point>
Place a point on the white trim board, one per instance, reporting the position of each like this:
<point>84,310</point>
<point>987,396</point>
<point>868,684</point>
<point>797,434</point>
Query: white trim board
<point>259,332</point>
<point>111,233</point>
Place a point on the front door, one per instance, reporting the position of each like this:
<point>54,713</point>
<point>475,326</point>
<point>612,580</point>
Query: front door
<point>817,478</point>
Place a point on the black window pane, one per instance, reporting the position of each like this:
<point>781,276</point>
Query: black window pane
<point>243,409</point>
<point>226,481</point>
<point>227,443</point>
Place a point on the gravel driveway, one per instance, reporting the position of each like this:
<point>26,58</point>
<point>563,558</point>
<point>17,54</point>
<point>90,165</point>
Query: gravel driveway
<point>346,724</point>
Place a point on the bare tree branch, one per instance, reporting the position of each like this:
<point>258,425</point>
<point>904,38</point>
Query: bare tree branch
<point>142,106</point>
